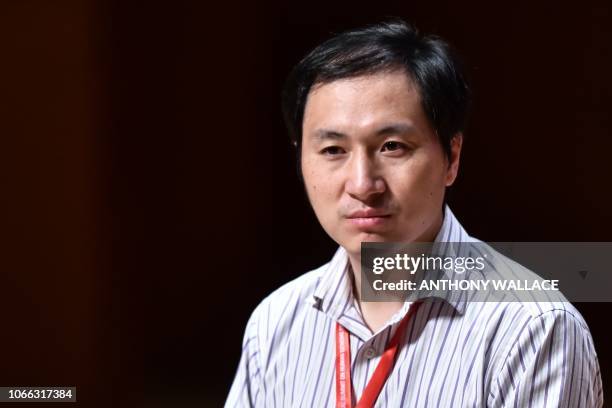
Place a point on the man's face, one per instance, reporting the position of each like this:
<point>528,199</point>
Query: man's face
<point>373,167</point>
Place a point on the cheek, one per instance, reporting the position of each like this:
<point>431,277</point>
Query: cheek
<point>321,194</point>
<point>424,181</point>
<point>317,184</point>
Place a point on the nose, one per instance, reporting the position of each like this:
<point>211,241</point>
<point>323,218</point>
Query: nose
<point>363,181</point>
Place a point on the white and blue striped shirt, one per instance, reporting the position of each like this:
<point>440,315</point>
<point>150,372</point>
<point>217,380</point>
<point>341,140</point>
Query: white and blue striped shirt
<point>454,354</point>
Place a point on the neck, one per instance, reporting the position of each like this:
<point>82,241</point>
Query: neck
<point>375,314</point>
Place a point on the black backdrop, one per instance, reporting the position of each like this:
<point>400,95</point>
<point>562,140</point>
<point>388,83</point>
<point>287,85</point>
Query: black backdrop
<point>150,195</point>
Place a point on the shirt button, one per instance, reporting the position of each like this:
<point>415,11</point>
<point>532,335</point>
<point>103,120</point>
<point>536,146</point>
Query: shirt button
<point>370,352</point>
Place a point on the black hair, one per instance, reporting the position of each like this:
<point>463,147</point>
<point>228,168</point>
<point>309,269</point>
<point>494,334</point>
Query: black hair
<point>428,60</point>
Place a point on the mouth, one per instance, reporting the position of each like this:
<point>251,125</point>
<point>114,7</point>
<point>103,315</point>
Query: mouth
<point>368,219</point>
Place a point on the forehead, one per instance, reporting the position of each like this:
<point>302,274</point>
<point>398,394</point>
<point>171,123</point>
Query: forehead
<point>364,101</point>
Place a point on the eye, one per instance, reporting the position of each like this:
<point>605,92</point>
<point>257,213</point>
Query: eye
<point>393,146</point>
<point>332,151</point>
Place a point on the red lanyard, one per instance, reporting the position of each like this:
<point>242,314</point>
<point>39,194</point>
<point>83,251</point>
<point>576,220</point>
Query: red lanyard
<point>385,365</point>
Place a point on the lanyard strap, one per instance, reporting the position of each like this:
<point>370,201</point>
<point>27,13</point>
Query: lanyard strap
<point>385,365</point>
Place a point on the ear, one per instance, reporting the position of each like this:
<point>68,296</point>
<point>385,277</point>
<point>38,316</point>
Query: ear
<point>453,160</point>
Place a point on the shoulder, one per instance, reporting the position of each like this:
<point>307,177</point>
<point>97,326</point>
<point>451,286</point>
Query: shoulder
<point>278,311</point>
<point>506,322</point>
<point>526,333</point>
<point>524,318</point>
<point>528,305</point>
<point>552,312</point>
<point>552,350</point>
<point>296,291</point>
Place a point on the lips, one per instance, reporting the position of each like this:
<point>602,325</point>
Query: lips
<point>368,219</point>
<point>368,214</point>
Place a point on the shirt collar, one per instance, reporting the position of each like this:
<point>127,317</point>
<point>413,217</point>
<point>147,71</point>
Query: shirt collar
<point>333,294</point>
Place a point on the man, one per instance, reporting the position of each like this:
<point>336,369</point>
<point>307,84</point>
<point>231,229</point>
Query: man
<point>377,116</point>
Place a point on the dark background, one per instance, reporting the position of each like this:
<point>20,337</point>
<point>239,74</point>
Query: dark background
<point>149,194</point>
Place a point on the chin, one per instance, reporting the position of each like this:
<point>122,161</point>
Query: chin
<point>375,238</point>
<point>354,245</point>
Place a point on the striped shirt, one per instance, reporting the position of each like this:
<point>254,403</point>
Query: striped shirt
<point>453,354</point>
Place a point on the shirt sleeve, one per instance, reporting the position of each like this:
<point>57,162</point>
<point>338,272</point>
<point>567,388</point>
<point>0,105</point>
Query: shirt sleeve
<point>246,389</point>
<point>552,364</point>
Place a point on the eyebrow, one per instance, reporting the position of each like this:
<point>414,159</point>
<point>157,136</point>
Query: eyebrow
<point>390,129</point>
<point>324,134</point>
